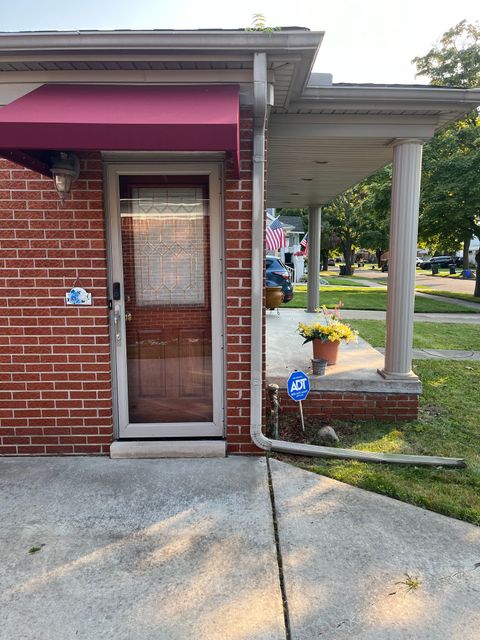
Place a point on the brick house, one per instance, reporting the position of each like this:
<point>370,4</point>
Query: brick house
<point>164,136</point>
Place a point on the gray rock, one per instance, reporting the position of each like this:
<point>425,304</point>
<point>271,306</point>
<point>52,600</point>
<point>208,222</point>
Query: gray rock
<point>328,433</point>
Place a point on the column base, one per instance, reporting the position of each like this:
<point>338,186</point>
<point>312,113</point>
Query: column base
<point>393,375</point>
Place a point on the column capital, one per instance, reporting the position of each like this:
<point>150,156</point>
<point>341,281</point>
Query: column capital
<point>398,141</point>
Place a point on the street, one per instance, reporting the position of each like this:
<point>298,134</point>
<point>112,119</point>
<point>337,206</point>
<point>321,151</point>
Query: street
<point>423,279</point>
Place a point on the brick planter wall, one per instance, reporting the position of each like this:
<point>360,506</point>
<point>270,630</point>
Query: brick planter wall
<point>55,383</point>
<point>354,406</point>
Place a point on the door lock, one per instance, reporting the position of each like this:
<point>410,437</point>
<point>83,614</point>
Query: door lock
<point>128,317</point>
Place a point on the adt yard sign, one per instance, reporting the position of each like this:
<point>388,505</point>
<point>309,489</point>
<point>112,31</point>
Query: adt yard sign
<point>298,386</point>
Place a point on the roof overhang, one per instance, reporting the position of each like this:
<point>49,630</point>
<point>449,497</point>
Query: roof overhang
<point>160,56</point>
<point>323,137</point>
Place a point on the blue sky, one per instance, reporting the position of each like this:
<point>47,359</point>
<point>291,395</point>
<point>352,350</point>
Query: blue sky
<point>367,41</point>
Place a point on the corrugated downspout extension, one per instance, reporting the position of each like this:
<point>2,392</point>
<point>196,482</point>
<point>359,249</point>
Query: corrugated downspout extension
<point>256,371</point>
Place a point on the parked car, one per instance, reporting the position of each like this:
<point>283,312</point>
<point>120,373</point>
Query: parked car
<point>331,262</point>
<point>418,261</point>
<point>441,261</point>
<point>278,276</point>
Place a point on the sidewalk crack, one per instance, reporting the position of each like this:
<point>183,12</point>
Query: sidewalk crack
<point>281,576</point>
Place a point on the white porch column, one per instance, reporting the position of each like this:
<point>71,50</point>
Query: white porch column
<point>314,231</point>
<point>407,166</point>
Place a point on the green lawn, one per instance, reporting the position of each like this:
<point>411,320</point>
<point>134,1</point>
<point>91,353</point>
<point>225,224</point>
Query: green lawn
<point>427,335</point>
<point>372,298</point>
<point>469,297</point>
<point>448,425</point>
<point>335,281</point>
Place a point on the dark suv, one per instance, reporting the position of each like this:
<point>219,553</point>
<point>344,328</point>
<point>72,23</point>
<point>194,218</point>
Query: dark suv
<point>441,261</point>
<point>278,276</point>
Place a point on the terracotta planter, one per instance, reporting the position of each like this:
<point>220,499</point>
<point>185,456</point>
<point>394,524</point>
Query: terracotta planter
<point>274,297</point>
<point>326,350</point>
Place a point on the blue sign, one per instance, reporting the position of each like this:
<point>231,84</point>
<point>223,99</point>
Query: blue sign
<point>298,386</point>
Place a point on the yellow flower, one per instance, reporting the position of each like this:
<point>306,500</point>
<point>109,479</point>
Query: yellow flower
<point>330,329</point>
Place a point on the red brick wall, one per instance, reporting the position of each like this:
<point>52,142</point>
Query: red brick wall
<point>55,374</point>
<point>55,383</point>
<point>238,244</point>
<point>354,406</point>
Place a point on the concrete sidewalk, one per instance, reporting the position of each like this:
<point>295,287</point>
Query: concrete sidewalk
<point>361,314</point>
<point>441,354</point>
<point>180,549</point>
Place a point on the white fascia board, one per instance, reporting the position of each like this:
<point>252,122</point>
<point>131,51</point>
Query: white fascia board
<point>180,41</point>
<point>390,98</point>
<point>349,130</point>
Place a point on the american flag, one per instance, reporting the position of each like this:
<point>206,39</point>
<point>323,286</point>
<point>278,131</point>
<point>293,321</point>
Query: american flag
<point>304,244</point>
<point>275,236</point>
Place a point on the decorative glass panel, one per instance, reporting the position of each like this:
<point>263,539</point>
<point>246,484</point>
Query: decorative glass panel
<point>168,235</point>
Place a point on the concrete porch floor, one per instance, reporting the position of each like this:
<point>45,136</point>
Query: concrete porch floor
<point>185,549</point>
<point>356,368</point>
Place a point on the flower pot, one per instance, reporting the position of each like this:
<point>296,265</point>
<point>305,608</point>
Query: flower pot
<point>274,297</point>
<point>326,350</point>
<point>318,367</point>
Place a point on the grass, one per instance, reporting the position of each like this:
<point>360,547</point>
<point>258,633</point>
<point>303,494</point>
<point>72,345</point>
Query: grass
<point>371,298</point>
<point>345,281</point>
<point>335,281</point>
<point>469,297</point>
<point>448,425</point>
<point>427,335</point>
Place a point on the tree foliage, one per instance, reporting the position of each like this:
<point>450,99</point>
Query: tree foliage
<point>450,204</point>
<point>455,60</point>
<point>375,212</point>
<point>344,215</point>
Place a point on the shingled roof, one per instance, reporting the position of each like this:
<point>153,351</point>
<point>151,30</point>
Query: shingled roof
<point>293,221</point>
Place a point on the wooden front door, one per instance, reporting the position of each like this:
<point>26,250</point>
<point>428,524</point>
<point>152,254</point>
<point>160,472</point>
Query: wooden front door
<point>163,315</point>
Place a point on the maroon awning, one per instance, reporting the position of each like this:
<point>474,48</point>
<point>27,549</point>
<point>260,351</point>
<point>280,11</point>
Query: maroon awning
<point>122,118</point>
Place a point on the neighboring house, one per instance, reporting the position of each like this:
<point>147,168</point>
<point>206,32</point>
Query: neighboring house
<point>294,231</point>
<point>472,251</point>
<point>136,169</point>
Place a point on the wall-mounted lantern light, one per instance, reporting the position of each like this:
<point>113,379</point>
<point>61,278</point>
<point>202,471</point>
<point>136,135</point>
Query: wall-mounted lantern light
<point>65,170</point>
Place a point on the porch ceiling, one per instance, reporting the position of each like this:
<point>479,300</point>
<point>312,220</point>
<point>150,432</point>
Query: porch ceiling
<point>333,136</point>
<point>306,171</point>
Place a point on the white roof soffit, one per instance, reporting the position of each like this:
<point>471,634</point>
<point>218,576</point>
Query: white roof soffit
<point>334,136</point>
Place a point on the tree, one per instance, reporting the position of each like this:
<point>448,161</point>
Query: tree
<point>375,208</point>
<point>450,202</point>
<point>455,60</point>
<point>344,214</point>
<point>328,241</point>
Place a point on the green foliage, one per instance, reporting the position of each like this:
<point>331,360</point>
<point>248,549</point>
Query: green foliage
<point>450,201</point>
<point>455,60</point>
<point>343,216</point>
<point>375,210</point>
<point>259,23</point>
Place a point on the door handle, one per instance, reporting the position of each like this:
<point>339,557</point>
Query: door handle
<point>117,317</point>
<point>128,317</point>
